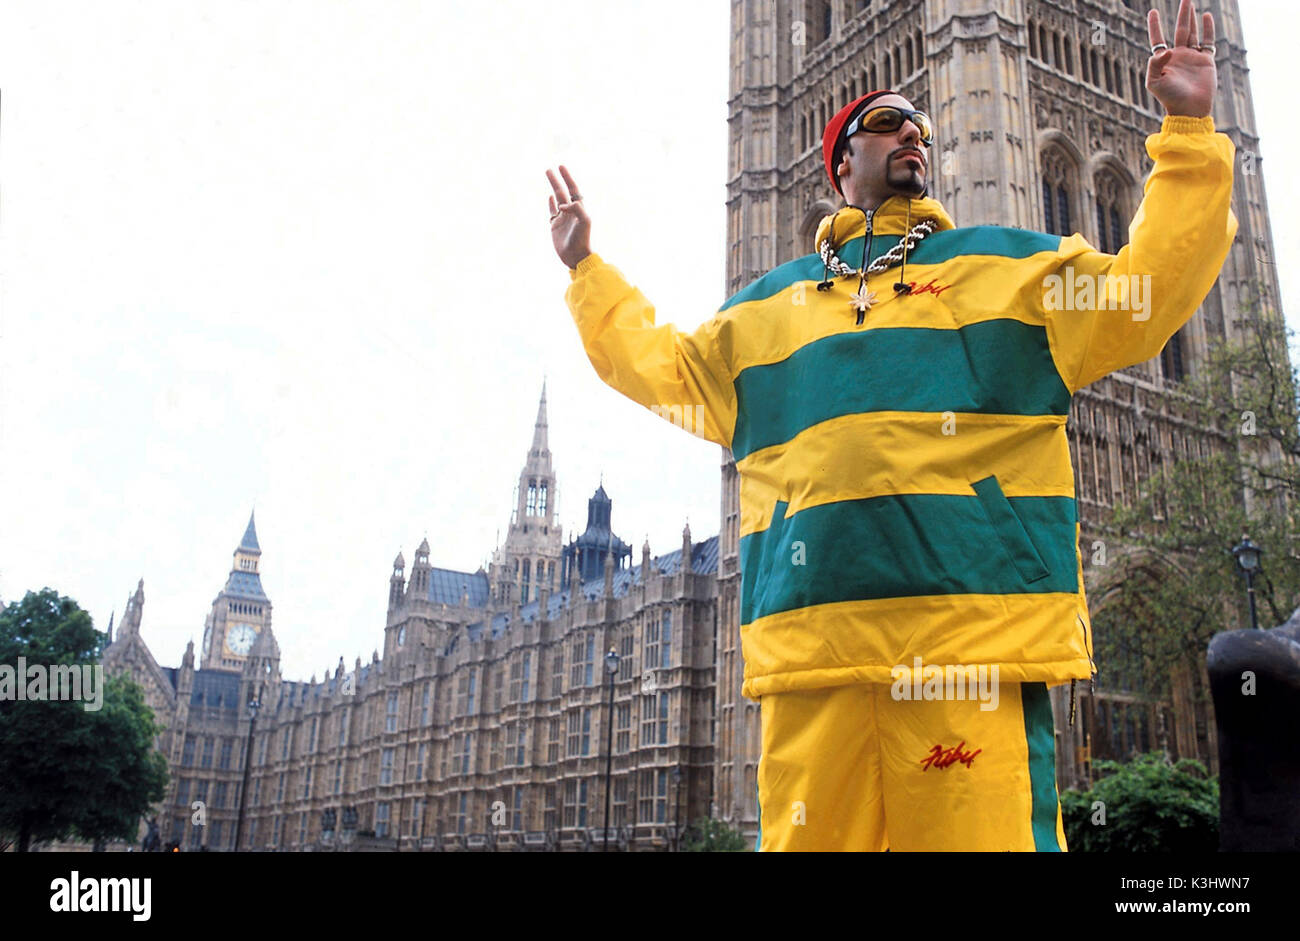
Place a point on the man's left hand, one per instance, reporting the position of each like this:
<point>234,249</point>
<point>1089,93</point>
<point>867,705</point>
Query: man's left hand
<point>1183,77</point>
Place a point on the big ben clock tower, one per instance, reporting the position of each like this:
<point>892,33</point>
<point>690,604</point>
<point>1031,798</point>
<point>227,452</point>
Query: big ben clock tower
<point>240,612</point>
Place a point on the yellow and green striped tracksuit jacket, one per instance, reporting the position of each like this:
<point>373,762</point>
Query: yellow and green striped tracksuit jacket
<point>905,483</point>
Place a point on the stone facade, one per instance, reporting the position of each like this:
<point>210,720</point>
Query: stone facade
<point>485,722</point>
<point>1041,115</point>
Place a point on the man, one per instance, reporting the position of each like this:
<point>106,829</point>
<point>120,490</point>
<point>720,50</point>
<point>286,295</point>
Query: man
<point>911,580</point>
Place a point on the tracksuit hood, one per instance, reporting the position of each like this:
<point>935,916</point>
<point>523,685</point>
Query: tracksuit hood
<point>891,218</point>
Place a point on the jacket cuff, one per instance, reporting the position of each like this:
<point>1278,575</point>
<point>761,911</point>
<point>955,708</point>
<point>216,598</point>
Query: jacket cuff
<point>1186,124</point>
<point>591,261</point>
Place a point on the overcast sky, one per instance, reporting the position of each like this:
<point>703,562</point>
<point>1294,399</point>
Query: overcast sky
<point>295,256</point>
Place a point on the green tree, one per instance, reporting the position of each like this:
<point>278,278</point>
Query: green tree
<point>1145,806</point>
<point>1170,582</point>
<point>68,770</point>
<point>713,836</point>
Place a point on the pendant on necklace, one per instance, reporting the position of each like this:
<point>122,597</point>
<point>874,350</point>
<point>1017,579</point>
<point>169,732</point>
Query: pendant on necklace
<point>863,300</point>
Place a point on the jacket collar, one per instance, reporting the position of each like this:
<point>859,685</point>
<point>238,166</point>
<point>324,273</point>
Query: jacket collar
<point>890,219</point>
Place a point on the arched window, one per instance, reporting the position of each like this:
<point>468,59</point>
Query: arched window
<point>908,59</point>
<point>1033,40</point>
<point>1112,210</point>
<point>541,500</point>
<point>1083,62</point>
<point>1171,358</point>
<point>531,509</point>
<point>1058,184</point>
<point>523,595</point>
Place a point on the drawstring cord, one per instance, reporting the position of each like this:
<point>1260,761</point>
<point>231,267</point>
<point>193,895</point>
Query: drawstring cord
<point>826,283</point>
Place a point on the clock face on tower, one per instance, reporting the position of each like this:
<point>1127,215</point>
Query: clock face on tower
<point>239,639</point>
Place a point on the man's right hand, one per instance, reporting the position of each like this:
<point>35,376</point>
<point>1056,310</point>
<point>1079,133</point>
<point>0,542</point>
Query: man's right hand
<point>570,224</point>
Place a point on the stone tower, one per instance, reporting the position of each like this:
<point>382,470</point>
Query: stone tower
<point>528,560</point>
<point>1041,114</point>
<point>240,613</point>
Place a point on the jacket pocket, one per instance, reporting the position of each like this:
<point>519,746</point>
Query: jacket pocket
<point>1002,517</point>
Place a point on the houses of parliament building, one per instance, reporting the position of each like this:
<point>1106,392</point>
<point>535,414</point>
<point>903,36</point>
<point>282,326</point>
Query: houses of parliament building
<point>485,722</point>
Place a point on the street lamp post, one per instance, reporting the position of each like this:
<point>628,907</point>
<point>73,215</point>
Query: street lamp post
<point>677,808</point>
<point>253,705</point>
<point>611,668</point>
<point>1248,555</point>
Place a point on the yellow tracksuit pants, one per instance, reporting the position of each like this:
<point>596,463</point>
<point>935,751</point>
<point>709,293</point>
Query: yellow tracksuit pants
<point>853,768</point>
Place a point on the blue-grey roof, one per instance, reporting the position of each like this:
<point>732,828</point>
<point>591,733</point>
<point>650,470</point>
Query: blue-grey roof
<point>447,586</point>
<point>250,537</point>
<point>170,673</point>
<point>704,558</point>
<point>216,689</point>
<point>245,585</point>
<point>704,561</point>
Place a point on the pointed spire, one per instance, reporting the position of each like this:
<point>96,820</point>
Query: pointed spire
<point>110,625</point>
<point>250,537</point>
<point>539,429</point>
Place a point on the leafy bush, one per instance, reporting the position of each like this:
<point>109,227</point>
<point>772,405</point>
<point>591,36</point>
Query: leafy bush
<point>1148,806</point>
<point>713,836</point>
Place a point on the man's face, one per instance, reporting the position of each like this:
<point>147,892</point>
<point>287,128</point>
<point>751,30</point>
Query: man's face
<point>876,166</point>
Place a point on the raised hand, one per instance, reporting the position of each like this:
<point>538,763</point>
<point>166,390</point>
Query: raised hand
<point>1183,78</point>
<point>570,224</point>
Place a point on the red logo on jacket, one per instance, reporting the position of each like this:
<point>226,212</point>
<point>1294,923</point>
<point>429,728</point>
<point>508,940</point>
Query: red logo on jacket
<point>931,287</point>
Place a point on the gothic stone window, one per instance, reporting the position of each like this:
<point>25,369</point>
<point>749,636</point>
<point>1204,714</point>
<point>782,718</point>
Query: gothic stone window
<point>1058,184</point>
<point>1171,358</point>
<point>1112,209</point>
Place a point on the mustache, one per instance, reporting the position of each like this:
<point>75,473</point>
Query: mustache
<point>902,151</point>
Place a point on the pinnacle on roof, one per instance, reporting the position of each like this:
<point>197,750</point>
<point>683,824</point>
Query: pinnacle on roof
<point>539,429</point>
<point>250,537</point>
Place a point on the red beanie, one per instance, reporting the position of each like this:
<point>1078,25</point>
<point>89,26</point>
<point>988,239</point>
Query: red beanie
<point>832,144</point>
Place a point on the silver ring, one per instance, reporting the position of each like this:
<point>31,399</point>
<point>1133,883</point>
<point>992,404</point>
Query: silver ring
<point>1159,45</point>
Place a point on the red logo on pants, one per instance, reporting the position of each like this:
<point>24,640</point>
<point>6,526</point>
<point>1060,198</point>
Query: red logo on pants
<point>941,757</point>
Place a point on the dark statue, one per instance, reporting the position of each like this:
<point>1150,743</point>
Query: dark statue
<point>152,842</point>
<point>1255,680</point>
